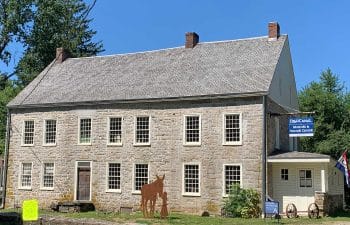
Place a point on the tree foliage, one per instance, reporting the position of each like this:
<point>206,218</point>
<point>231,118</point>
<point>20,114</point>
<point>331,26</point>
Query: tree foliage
<point>57,23</point>
<point>40,26</point>
<point>331,105</point>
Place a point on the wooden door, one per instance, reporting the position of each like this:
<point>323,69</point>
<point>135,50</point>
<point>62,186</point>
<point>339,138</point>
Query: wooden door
<point>83,190</point>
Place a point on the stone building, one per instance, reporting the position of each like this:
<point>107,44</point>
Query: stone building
<point>97,128</point>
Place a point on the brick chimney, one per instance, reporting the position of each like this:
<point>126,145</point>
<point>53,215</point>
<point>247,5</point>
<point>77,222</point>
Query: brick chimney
<point>61,54</point>
<point>191,39</point>
<point>274,31</point>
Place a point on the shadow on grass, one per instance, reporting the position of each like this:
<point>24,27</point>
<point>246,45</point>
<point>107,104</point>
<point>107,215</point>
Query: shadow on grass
<point>340,213</point>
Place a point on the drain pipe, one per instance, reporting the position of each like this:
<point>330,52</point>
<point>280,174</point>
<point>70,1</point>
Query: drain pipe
<point>6,153</point>
<point>263,160</point>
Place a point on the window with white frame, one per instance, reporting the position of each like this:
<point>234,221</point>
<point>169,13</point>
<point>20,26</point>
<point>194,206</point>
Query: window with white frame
<point>232,175</point>
<point>85,131</point>
<point>50,132</point>
<point>26,175</point>
<point>113,176</point>
<point>284,174</point>
<point>191,182</point>
<point>48,173</point>
<point>232,129</point>
<point>28,132</point>
<point>305,178</point>
<point>142,130</point>
<point>192,129</point>
<point>140,176</point>
<point>115,130</point>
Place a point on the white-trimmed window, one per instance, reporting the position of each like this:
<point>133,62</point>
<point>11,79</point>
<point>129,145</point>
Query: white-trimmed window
<point>115,131</point>
<point>232,176</point>
<point>284,174</point>
<point>232,129</point>
<point>28,132</point>
<point>142,130</point>
<point>85,131</point>
<point>26,176</point>
<point>50,132</point>
<point>141,176</point>
<point>192,129</point>
<point>305,178</point>
<point>113,177</point>
<point>48,175</point>
<point>191,180</point>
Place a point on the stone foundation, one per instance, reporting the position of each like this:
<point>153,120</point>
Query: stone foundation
<point>328,204</point>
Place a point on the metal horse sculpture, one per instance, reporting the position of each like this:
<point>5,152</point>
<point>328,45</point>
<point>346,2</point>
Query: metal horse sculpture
<point>149,193</point>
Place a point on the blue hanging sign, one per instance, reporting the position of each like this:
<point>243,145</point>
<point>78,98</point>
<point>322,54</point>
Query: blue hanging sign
<point>301,127</point>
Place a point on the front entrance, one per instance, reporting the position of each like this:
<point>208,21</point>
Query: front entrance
<point>83,181</point>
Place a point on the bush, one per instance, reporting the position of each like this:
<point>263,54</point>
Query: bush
<point>243,203</point>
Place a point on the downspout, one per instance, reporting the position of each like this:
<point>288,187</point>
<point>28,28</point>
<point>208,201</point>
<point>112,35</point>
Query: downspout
<point>263,161</point>
<point>6,153</point>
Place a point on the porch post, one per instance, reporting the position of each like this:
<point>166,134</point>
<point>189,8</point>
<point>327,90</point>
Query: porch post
<point>323,180</point>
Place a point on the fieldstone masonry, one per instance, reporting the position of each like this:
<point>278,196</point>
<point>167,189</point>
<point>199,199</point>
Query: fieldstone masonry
<point>165,154</point>
<point>328,204</point>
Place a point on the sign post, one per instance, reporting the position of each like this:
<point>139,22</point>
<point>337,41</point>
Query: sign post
<point>272,209</point>
<point>301,127</point>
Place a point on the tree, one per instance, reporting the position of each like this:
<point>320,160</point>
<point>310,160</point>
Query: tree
<point>57,23</point>
<point>14,19</point>
<point>331,120</point>
<point>10,91</point>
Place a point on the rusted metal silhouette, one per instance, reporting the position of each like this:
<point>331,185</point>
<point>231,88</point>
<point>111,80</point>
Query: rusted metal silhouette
<point>164,212</point>
<point>149,193</point>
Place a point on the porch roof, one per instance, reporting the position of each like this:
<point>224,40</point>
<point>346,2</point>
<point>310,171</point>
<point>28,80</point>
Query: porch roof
<point>297,157</point>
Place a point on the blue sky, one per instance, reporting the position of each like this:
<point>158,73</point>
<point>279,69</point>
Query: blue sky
<point>318,30</point>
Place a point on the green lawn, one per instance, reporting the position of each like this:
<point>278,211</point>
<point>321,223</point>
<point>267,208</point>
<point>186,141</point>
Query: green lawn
<point>180,218</point>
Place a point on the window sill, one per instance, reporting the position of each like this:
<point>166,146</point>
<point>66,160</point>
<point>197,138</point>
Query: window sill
<point>136,192</point>
<point>142,144</point>
<point>85,144</point>
<point>49,145</point>
<point>114,144</point>
<point>46,189</point>
<point>191,194</point>
<point>114,191</point>
<point>25,188</point>
<point>192,144</point>
<point>232,143</point>
<point>27,145</point>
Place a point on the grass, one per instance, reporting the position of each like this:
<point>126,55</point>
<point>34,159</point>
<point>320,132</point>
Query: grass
<point>180,218</point>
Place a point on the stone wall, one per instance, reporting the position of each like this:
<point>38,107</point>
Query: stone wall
<point>165,155</point>
<point>328,204</point>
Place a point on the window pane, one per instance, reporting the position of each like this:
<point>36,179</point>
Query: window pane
<point>26,179</point>
<point>192,129</point>
<point>141,176</point>
<point>142,129</point>
<point>232,128</point>
<point>48,174</point>
<point>50,131</point>
<point>85,130</point>
<point>191,176</point>
<point>115,130</point>
<point>114,176</point>
<point>28,132</point>
<point>232,177</point>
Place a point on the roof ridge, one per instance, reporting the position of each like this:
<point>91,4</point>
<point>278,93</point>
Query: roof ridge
<point>165,49</point>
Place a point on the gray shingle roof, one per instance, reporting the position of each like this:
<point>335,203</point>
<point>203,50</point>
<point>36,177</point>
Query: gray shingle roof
<point>215,68</point>
<point>299,155</point>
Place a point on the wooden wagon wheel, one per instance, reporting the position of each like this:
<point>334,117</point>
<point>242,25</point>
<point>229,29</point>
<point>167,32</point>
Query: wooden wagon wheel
<point>313,211</point>
<point>291,211</point>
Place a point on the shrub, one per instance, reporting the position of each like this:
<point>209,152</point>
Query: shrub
<point>243,203</point>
